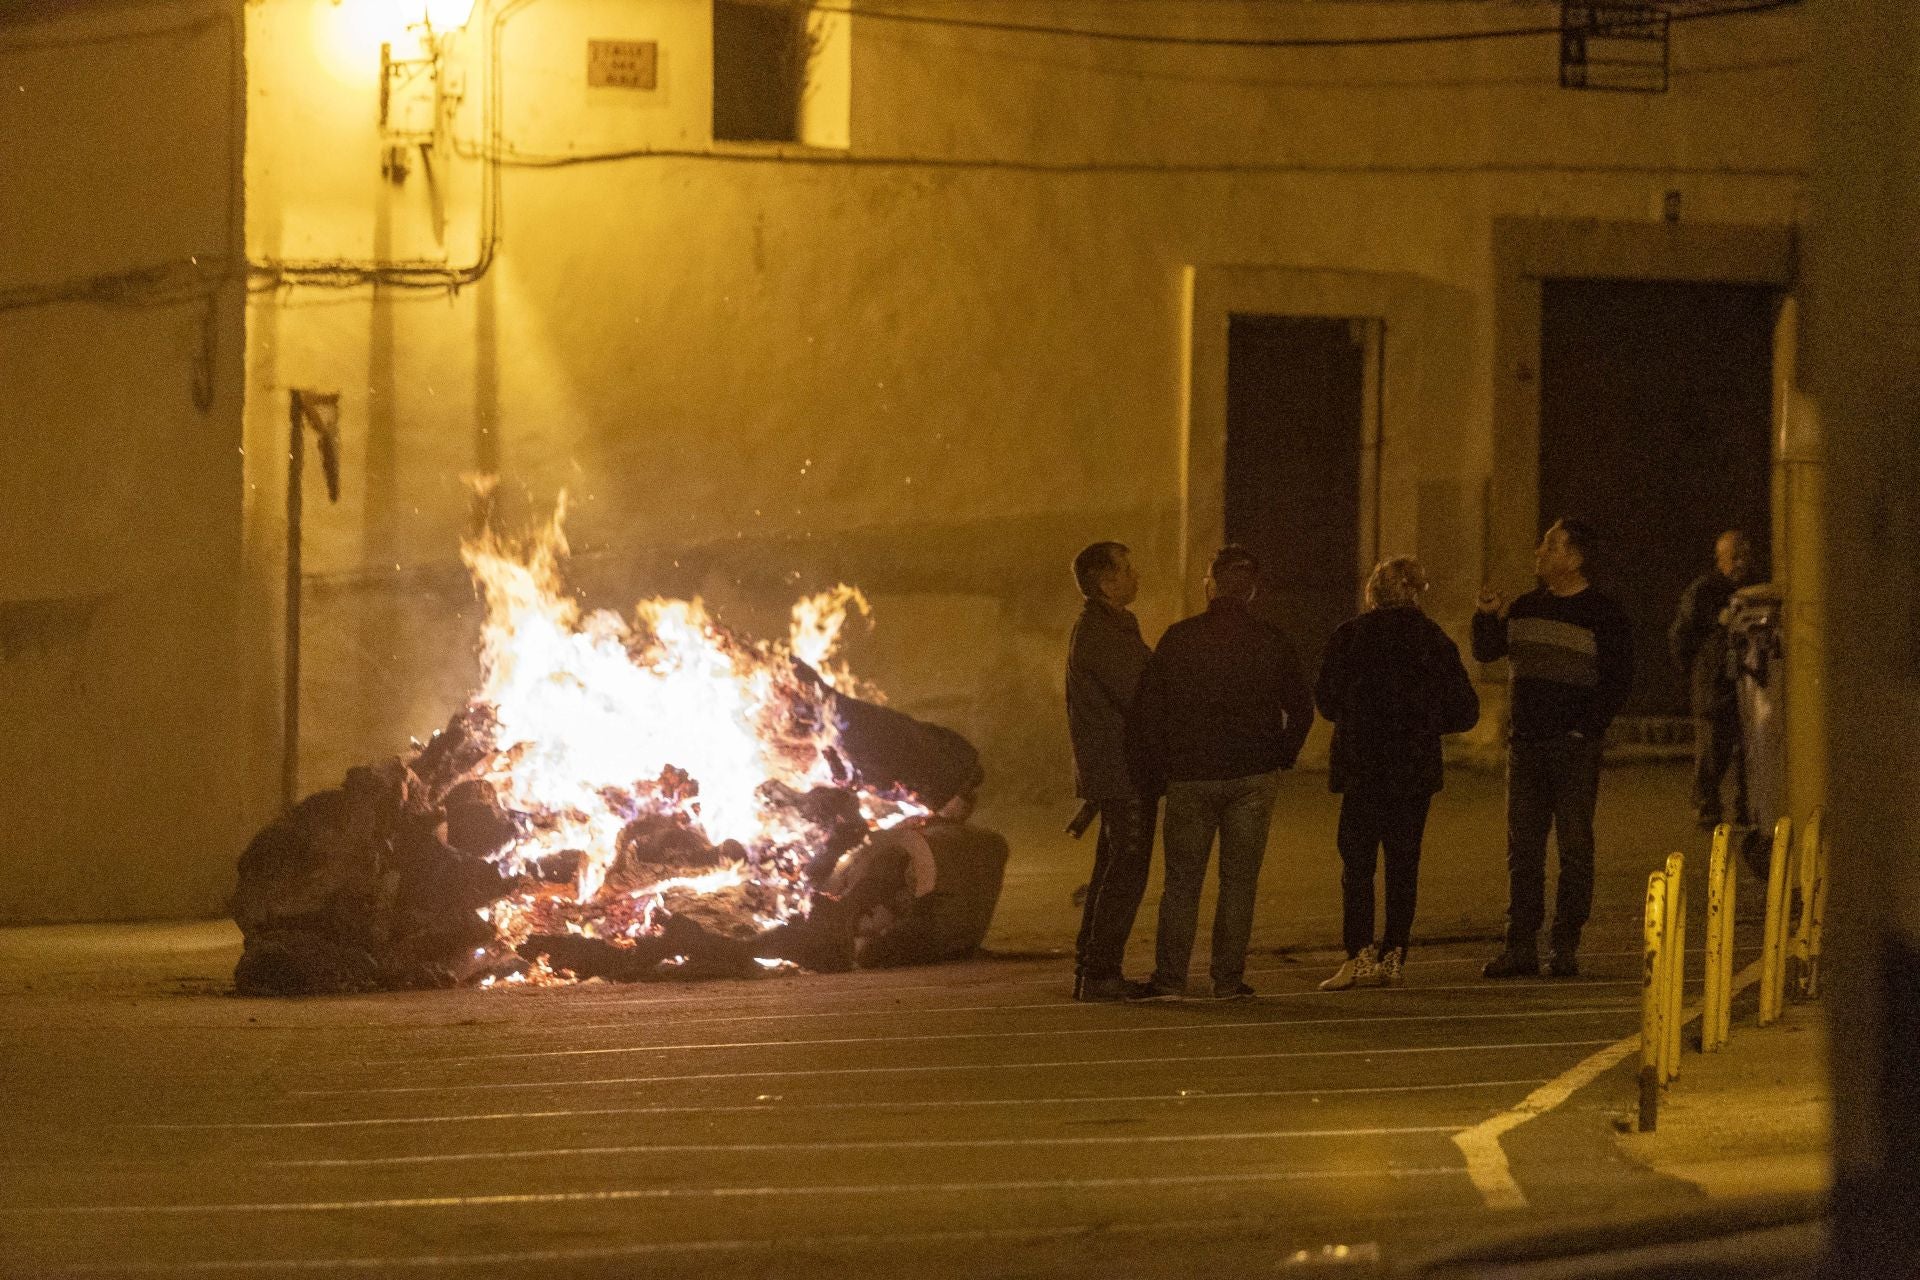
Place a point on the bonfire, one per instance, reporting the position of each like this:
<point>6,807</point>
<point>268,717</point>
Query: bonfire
<point>625,797</point>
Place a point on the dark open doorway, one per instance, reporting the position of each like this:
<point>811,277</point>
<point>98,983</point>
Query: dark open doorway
<point>1296,410</point>
<point>1656,404</point>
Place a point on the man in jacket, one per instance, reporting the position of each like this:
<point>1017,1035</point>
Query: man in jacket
<point>1571,651</point>
<point>1222,708</point>
<point>1104,659</point>
<point>1698,642</point>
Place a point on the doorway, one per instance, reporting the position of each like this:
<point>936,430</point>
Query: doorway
<point>1301,465</point>
<point>1656,403</point>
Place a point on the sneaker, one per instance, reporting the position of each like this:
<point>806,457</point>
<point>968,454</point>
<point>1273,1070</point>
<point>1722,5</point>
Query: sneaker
<point>1233,991</point>
<point>1107,990</point>
<point>1393,966</point>
<point>1362,970</point>
<point>1512,964</point>
<point>1563,964</point>
<point>1157,989</point>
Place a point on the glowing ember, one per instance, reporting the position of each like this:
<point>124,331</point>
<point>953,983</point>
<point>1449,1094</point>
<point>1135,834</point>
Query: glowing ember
<point>626,797</point>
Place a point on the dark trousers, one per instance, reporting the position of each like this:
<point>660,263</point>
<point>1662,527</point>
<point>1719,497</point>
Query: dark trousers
<point>1717,748</point>
<point>1551,786</point>
<point>1373,823</point>
<point>1239,811</point>
<point>1122,856</point>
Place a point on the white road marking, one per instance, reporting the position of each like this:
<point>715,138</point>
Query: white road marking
<point>1311,993</point>
<point>938,1066</point>
<point>782,1107</point>
<point>1056,979</point>
<point>872,1144</point>
<point>725,1193</point>
<point>1487,1159</point>
<point>1127,1029</point>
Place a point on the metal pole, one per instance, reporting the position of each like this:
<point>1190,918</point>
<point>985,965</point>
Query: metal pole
<point>1817,919</point>
<point>1718,995</point>
<point>1799,526</point>
<point>1773,942</point>
<point>290,680</point>
<point>1807,881</point>
<point>1653,1000</point>
<point>1675,946</point>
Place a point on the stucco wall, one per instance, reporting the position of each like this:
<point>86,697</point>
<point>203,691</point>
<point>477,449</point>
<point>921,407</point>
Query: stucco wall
<point>122,754</point>
<point>933,364</point>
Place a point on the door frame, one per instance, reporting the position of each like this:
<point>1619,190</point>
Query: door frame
<point>1417,371</point>
<point>1528,251</point>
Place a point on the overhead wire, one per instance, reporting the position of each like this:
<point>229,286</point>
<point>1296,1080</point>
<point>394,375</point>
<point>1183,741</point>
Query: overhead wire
<point>189,278</point>
<point>514,157</point>
<point>1268,42</point>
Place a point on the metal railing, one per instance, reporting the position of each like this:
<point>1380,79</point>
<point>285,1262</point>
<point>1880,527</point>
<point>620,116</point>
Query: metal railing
<point>1789,955</point>
<point>1796,883</point>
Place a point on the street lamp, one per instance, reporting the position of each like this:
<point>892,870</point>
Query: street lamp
<point>436,21</point>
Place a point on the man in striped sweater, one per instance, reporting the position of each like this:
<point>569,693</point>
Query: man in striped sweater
<point>1571,653</point>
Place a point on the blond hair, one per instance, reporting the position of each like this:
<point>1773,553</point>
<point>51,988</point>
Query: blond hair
<point>1399,580</point>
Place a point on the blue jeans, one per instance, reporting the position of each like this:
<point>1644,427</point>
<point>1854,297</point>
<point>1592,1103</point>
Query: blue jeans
<point>1240,811</point>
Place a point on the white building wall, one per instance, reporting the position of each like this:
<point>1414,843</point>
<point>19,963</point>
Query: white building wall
<point>124,786</point>
<point>934,363</point>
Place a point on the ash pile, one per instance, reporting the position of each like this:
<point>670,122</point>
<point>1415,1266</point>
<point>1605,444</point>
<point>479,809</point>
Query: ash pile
<point>400,877</point>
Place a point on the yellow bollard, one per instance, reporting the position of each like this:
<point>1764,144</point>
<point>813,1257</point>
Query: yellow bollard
<point>1800,953</point>
<point>1653,1000</point>
<point>1819,926</point>
<point>1675,946</point>
<point>1773,943</point>
<point>1716,1002</point>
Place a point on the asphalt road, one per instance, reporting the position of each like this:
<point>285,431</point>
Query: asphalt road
<point>961,1120</point>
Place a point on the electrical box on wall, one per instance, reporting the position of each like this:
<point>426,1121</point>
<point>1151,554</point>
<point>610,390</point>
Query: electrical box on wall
<point>623,64</point>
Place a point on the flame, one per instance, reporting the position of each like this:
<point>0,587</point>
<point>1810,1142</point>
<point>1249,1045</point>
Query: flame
<point>814,636</point>
<point>600,719</point>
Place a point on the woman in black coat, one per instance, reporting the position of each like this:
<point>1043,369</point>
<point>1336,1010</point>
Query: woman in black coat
<point>1391,682</point>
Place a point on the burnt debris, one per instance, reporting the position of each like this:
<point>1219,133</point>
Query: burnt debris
<point>394,879</point>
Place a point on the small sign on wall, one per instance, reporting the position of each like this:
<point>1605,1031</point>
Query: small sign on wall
<point>623,64</point>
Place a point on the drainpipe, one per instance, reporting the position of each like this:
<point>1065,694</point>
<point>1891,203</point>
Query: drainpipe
<point>1799,528</point>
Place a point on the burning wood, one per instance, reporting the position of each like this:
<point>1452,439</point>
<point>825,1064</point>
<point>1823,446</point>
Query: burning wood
<point>626,800</point>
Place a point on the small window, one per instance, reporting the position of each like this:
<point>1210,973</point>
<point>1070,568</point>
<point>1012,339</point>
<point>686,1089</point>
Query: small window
<point>779,73</point>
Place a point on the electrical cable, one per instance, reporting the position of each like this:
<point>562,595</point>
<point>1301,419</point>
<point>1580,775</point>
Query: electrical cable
<point>270,275</point>
<point>196,276</point>
<point>1263,42</point>
<point>183,280</point>
<point>513,157</point>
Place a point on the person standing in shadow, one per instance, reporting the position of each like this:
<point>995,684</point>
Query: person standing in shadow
<point>1392,683</point>
<point>1222,709</point>
<point>1698,642</point>
<point>1105,657</point>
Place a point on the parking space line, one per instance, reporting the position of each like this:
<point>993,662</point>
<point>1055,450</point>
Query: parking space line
<point>1128,1029</point>
<point>881,988</point>
<point>941,1066</point>
<point>867,1144</point>
<point>615,1194</point>
<point>1308,993</point>
<point>1184,1096</point>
